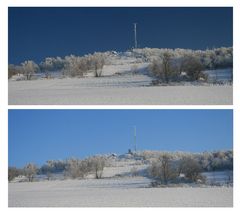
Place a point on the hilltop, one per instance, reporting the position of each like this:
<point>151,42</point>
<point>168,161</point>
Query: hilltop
<point>128,180</point>
<point>131,77</point>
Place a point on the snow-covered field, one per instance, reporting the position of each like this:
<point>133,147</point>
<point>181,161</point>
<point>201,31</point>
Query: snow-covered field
<point>117,188</point>
<point>117,192</point>
<point>125,81</point>
<point>75,92</point>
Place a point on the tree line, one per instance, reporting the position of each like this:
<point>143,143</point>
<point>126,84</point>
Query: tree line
<point>165,64</point>
<point>72,168</point>
<point>164,167</point>
<point>74,66</point>
<point>168,167</point>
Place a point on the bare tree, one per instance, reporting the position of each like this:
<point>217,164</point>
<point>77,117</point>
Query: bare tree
<point>29,68</point>
<point>49,169</point>
<point>97,164</point>
<point>30,170</point>
<point>13,172</point>
<point>51,64</point>
<point>165,69</point>
<point>191,168</point>
<point>12,70</point>
<point>73,169</point>
<point>193,67</point>
<point>78,168</point>
<point>167,171</point>
<point>98,61</point>
<point>47,66</point>
<point>75,66</point>
<point>163,169</point>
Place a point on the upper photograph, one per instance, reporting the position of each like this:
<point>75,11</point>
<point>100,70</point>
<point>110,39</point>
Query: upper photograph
<point>120,55</point>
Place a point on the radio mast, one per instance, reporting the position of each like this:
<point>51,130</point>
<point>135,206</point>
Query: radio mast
<point>135,34</point>
<point>135,138</point>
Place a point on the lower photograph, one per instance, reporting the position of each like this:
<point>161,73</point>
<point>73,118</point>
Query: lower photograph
<point>120,158</point>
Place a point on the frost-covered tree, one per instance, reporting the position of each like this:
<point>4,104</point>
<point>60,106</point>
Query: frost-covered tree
<point>165,68</point>
<point>29,68</point>
<point>210,58</point>
<point>98,61</point>
<point>75,66</point>
<point>191,168</point>
<point>13,172</point>
<point>13,70</point>
<point>48,169</point>
<point>163,169</point>
<point>77,168</point>
<point>193,67</point>
<point>78,66</point>
<point>97,164</point>
<point>80,168</point>
<point>30,170</point>
<point>52,64</point>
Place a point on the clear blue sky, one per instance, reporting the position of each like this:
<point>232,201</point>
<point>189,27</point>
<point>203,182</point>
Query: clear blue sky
<point>40,135</point>
<point>36,33</point>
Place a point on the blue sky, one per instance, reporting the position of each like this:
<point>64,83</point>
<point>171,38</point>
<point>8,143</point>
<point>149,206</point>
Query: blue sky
<point>40,135</point>
<point>36,33</point>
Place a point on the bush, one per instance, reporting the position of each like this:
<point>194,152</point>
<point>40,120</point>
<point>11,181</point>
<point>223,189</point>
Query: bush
<point>29,68</point>
<point>51,64</point>
<point>193,67</point>
<point>30,170</point>
<point>191,169</point>
<point>75,66</point>
<point>163,169</point>
<point>98,61</point>
<point>81,168</point>
<point>97,164</point>
<point>12,70</point>
<point>165,69</point>
<point>13,172</point>
<point>78,66</point>
<point>211,59</point>
<point>78,168</point>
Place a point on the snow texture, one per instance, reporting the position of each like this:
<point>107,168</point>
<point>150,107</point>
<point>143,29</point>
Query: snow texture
<point>118,188</point>
<point>121,192</point>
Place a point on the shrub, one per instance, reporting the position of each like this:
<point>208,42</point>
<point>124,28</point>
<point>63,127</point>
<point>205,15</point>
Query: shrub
<point>164,68</point>
<point>51,64</point>
<point>191,169</point>
<point>13,172</point>
<point>30,170</point>
<point>193,67</point>
<point>78,168</point>
<point>98,61</point>
<point>75,66</point>
<point>12,70</point>
<point>29,68</point>
<point>163,169</point>
<point>97,164</point>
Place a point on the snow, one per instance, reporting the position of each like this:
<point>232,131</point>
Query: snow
<point>125,81</point>
<point>221,177</point>
<point>77,92</point>
<point>117,188</point>
<point>121,192</point>
<point>223,75</point>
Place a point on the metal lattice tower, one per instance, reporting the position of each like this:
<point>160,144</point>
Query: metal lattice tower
<point>135,138</point>
<point>135,35</point>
